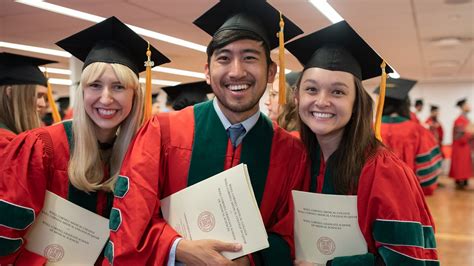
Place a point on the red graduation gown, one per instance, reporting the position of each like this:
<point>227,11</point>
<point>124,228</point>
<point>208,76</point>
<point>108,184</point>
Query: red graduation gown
<point>414,145</point>
<point>461,162</point>
<point>6,136</point>
<point>156,170</point>
<point>34,162</point>
<point>392,213</point>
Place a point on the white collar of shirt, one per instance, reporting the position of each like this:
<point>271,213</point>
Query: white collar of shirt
<point>247,123</point>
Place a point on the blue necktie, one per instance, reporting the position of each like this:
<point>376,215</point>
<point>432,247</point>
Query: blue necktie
<point>234,133</point>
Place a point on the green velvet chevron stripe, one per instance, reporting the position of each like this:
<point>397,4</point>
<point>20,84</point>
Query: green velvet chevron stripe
<point>109,252</point>
<point>15,216</point>
<point>429,170</point>
<point>115,219</point>
<point>403,233</point>
<point>392,257</point>
<point>9,245</point>
<point>428,233</point>
<point>429,182</point>
<point>393,119</point>
<point>367,259</point>
<point>121,186</point>
<point>426,157</point>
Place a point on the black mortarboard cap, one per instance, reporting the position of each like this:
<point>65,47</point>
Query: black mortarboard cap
<point>154,97</point>
<point>461,102</point>
<point>433,107</point>
<point>338,48</point>
<point>397,89</point>
<point>256,16</point>
<point>19,69</point>
<point>187,94</point>
<point>292,78</point>
<point>111,41</point>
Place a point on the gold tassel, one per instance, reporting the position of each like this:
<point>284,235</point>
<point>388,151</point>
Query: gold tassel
<point>148,101</point>
<point>52,103</point>
<point>281,59</point>
<point>380,103</point>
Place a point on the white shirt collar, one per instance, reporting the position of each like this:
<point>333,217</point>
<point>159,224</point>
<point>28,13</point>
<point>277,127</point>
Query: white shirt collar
<point>248,123</point>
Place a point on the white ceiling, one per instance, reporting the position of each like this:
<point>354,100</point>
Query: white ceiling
<point>403,32</point>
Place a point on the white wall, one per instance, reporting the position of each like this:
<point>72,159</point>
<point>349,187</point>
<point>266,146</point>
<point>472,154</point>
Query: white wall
<point>445,95</point>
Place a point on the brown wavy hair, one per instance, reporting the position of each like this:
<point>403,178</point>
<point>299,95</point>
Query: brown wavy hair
<point>358,143</point>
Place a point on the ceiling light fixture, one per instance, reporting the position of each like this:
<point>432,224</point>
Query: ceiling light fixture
<point>59,53</point>
<point>34,49</point>
<point>160,82</point>
<point>52,70</point>
<point>56,81</point>
<point>446,41</point>
<point>93,18</point>
<point>327,10</point>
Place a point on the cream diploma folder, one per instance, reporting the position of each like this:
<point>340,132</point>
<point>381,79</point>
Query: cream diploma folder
<point>67,234</point>
<point>221,207</point>
<point>326,227</point>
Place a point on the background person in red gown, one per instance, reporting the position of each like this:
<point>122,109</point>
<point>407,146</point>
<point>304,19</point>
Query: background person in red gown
<point>461,160</point>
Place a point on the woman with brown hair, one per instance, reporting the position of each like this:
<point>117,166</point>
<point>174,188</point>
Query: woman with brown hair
<point>347,159</point>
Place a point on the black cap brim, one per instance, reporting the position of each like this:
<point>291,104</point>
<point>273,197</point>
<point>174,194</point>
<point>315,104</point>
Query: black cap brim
<point>338,48</point>
<point>19,69</point>
<point>111,41</point>
<point>397,89</point>
<point>256,16</point>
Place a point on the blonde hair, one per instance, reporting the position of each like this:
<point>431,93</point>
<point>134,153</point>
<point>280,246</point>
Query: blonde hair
<point>18,107</point>
<point>86,169</point>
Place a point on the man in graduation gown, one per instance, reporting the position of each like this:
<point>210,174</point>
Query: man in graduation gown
<point>175,150</point>
<point>461,161</point>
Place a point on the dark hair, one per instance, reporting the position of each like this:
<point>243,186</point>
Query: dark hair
<point>400,107</point>
<point>357,144</point>
<point>418,102</point>
<point>225,37</point>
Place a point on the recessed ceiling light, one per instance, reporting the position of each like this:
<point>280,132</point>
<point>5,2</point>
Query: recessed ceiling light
<point>446,41</point>
<point>444,64</point>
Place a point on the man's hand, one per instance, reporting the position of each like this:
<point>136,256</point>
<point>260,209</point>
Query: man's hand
<point>204,252</point>
<point>242,261</point>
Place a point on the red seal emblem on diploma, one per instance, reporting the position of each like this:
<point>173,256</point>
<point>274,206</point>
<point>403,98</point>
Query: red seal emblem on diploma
<point>54,252</point>
<point>326,245</point>
<point>206,221</point>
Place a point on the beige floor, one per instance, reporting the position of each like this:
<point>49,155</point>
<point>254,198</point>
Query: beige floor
<point>453,212</point>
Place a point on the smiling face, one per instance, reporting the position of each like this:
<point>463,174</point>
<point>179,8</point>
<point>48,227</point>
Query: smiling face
<point>238,75</point>
<point>326,99</point>
<point>107,102</point>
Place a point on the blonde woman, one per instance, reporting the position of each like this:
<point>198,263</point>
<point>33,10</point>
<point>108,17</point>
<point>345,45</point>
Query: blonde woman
<point>78,159</point>
<point>22,95</point>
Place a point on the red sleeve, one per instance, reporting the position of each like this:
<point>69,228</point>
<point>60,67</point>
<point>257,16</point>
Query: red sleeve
<point>140,235</point>
<point>23,179</point>
<point>393,214</point>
